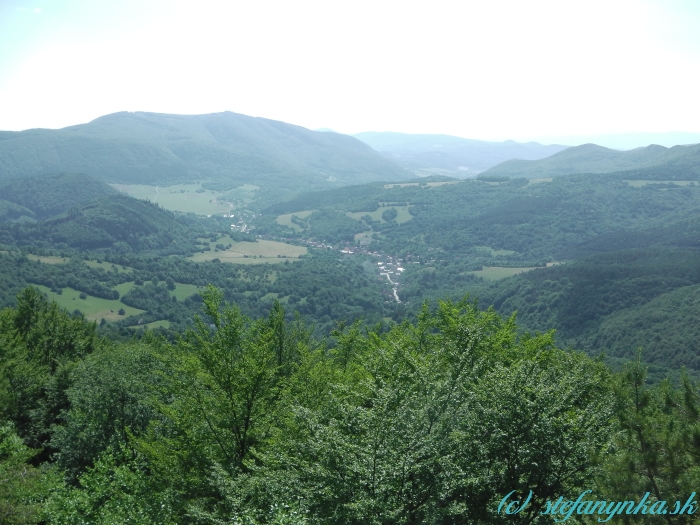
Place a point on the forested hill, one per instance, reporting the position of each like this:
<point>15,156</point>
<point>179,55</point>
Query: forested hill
<point>116,221</point>
<point>463,157</point>
<point>232,149</point>
<point>590,158</point>
<point>42,197</point>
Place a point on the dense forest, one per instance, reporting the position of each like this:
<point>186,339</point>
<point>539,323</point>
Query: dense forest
<point>255,421</point>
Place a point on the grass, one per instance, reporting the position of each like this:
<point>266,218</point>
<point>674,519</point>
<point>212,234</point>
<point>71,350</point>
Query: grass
<point>157,324</point>
<point>94,308</point>
<point>187,198</point>
<point>183,291</point>
<point>243,252</point>
<point>400,185</point>
<point>47,259</point>
<point>493,252</point>
<point>640,183</point>
<point>429,184</point>
<point>108,266</point>
<point>286,219</point>
<point>403,215</point>
<point>493,273</point>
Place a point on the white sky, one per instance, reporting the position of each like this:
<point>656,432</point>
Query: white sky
<point>486,69</point>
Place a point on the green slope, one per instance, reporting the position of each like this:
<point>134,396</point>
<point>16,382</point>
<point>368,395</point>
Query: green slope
<point>231,149</point>
<point>590,158</point>
<point>52,194</point>
<point>115,221</point>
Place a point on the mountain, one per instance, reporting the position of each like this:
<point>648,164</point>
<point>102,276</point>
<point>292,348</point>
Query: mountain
<point>627,141</point>
<point>590,158</point>
<point>42,197</point>
<point>115,221</point>
<point>228,149</point>
<point>464,157</point>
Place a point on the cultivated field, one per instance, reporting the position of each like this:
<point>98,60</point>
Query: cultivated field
<point>188,198</point>
<point>257,252</point>
<point>286,219</point>
<point>94,308</point>
<point>493,273</point>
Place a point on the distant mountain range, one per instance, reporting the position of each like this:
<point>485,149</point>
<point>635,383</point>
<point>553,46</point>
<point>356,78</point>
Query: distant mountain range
<point>227,148</point>
<point>445,153</point>
<point>676,162</point>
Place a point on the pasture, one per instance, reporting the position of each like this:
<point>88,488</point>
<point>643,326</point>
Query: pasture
<point>94,308</point>
<point>187,198</point>
<point>258,252</point>
<point>493,273</point>
<point>286,219</point>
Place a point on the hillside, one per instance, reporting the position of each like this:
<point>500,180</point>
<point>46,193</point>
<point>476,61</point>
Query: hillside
<point>463,157</point>
<point>227,148</point>
<point>116,221</point>
<point>42,197</point>
<point>683,161</point>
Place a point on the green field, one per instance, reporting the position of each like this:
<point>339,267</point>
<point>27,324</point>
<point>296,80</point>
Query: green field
<point>108,266</point>
<point>640,183</point>
<point>46,259</point>
<point>403,214</point>
<point>187,198</point>
<point>157,324</point>
<point>183,291</point>
<point>493,252</point>
<point>286,219</point>
<point>94,308</point>
<point>243,252</point>
<point>493,273</point>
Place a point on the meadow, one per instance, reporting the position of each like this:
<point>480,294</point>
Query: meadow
<point>403,215</point>
<point>93,308</point>
<point>189,198</point>
<point>286,219</point>
<point>494,273</point>
<point>258,252</point>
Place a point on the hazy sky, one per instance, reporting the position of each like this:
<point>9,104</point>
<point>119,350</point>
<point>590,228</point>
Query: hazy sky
<point>490,70</point>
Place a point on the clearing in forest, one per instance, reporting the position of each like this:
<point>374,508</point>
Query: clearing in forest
<point>94,308</point>
<point>260,251</point>
<point>493,273</point>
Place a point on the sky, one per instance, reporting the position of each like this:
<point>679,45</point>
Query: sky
<point>493,70</point>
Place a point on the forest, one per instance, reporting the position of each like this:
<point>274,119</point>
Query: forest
<point>254,420</point>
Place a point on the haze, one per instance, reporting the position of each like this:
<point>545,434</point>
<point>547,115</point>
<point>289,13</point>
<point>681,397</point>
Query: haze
<point>565,72</point>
